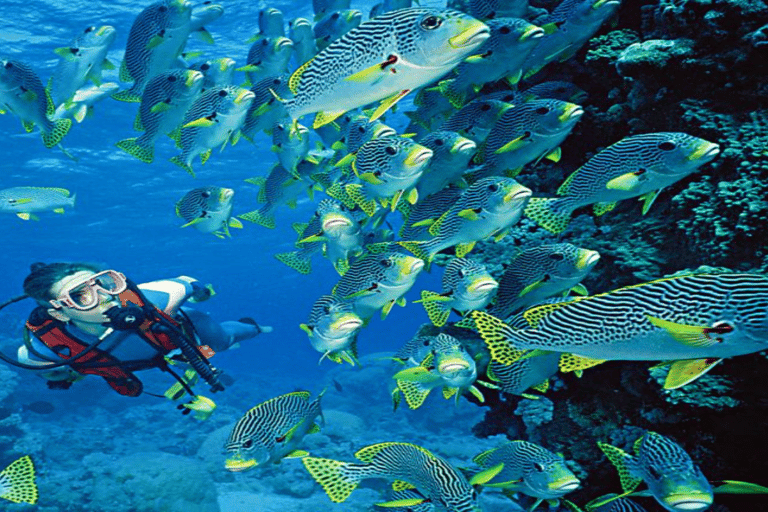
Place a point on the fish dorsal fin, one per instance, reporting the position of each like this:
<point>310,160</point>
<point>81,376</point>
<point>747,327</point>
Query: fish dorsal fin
<point>574,363</point>
<point>534,315</point>
<point>481,458</point>
<point>496,335</point>
<point>736,487</point>
<point>293,81</point>
<point>620,460</point>
<point>368,453</point>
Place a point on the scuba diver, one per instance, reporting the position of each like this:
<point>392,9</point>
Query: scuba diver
<point>91,321</point>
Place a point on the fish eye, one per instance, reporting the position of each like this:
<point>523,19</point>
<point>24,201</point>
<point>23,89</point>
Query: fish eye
<point>247,443</point>
<point>557,256</point>
<point>539,467</point>
<point>205,67</point>
<point>493,187</point>
<point>431,22</point>
<point>361,129</point>
<point>461,272</point>
<point>222,93</point>
<point>485,108</point>
<point>505,30</point>
<point>654,472</point>
<point>8,65</point>
<point>206,194</point>
<point>390,150</point>
<point>171,78</point>
<point>276,81</point>
<point>542,110</point>
<point>335,16</point>
<point>439,142</point>
<point>327,309</point>
<point>426,343</point>
<point>162,8</point>
<point>667,145</point>
<point>386,262</point>
<point>90,29</point>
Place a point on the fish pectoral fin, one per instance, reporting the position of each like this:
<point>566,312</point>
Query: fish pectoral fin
<point>387,308</point>
<point>468,214</point>
<point>648,199</point>
<point>156,40</point>
<point>416,374</point>
<point>371,178</point>
<point>193,222</point>
<point>323,118</point>
<point>554,155</point>
<point>686,371</point>
<point>626,182</point>
<point>388,103</point>
<point>604,500</point>
<point>580,289</point>
<point>487,475</point>
<point>736,487</point>
<point>690,335</point>
<point>513,145</point>
<point>477,394</point>
<point>406,502</point>
<point>296,454</point>
<point>201,122</point>
<point>160,106</point>
<point>27,216</point>
<point>532,287</point>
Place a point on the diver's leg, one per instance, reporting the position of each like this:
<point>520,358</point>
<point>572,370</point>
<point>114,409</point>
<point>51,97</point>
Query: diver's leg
<point>221,336</point>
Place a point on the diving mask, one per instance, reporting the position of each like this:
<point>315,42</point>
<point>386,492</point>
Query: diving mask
<point>83,295</point>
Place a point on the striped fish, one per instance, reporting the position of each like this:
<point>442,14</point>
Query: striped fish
<point>268,56</point>
<point>334,25</point>
<point>476,119</point>
<point>332,329</point>
<point>467,286</point>
<point>291,144</point>
<point>322,7</point>
<point>383,59</point>
<point>433,362</point>
<point>526,133</point>
<point>524,374</point>
<point>500,56</point>
<point>271,22</point>
<point>214,119</point>
<point>165,100</point>
<point>541,272</point>
<point>272,431</point>
<point>378,281</point>
<point>360,130</point>
<point>451,154</point>
<point>636,166</point>
<point>82,60</point>
<point>432,110</point>
<point>265,110</point>
<point>410,466</point>
<point>521,466</point>
<point>216,72</point>
<point>419,217</point>
<point>24,201</point>
<point>304,46</point>
<point>489,207</point>
<point>388,6</point>
<point>22,93</point>
<point>157,37</point>
<point>208,210</point>
<point>692,320</point>
<point>556,90</point>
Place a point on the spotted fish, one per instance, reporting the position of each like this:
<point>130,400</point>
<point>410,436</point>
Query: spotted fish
<point>541,272</point>
<point>636,166</point>
<point>451,154</point>
<point>165,100</point>
<point>408,465</point>
<point>378,281</point>
<point>467,285</point>
<point>272,431</point>
<point>332,329</point>
<point>693,321</point>
<point>383,59</point>
<point>521,466</point>
<point>17,481</point>
<point>22,93</point>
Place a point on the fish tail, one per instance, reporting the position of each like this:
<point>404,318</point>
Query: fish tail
<point>436,306</point>
<point>57,132</point>
<point>622,461</point>
<point>415,393</point>
<point>450,89</point>
<point>500,338</point>
<point>294,259</point>
<point>184,165</point>
<point>260,218</point>
<point>541,211</point>
<point>18,481</point>
<point>331,475</point>
<point>132,146</point>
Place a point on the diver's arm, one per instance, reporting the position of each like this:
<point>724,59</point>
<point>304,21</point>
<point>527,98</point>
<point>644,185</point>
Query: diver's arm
<point>170,294</point>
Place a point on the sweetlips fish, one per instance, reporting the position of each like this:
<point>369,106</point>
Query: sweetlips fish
<point>304,46</point>
<point>268,56</point>
<point>214,119</point>
<point>491,9</point>
<point>360,130</point>
<point>332,329</point>
<point>636,166</point>
<point>82,60</point>
<point>208,210</point>
<point>165,100</point>
<point>692,321</point>
<point>203,14</point>
<point>322,7</point>
<point>272,431</point>
<point>404,50</point>
<point>521,466</point>
<point>432,109</point>
<point>17,481</point>
<point>157,38</point>
<point>389,168</point>
<point>291,144</point>
<point>80,106</point>
<point>541,272</point>
<point>476,119</point>
<point>24,201</point>
<point>441,361</point>
<point>265,110</point>
<point>334,25</point>
<point>451,154</point>
<point>524,374</point>
<point>22,93</point>
<point>467,285</point>
<point>378,281</point>
<point>408,465</point>
<point>525,133</point>
<point>422,215</point>
<point>216,72</point>
<point>500,56</point>
<point>569,26</point>
<point>271,22</point>
<point>336,231</point>
<point>489,207</point>
<point>278,188</point>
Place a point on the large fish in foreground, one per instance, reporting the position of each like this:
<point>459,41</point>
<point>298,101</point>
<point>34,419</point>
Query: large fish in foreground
<point>636,166</point>
<point>694,321</point>
<point>383,59</point>
<point>272,431</point>
<point>408,465</point>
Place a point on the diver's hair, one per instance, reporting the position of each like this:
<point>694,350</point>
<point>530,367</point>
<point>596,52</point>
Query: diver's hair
<point>42,277</point>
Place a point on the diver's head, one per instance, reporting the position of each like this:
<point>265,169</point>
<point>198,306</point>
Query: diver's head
<point>75,292</point>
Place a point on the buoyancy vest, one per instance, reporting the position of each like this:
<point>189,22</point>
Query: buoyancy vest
<point>53,334</point>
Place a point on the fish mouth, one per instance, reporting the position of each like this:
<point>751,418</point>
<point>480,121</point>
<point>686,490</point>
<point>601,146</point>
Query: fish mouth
<point>688,501</point>
<point>244,96</point>
<point>415,266</point>
<point>533,32</point>
<point>566,485</point>
<point>226,63</point>
<point>335,222</point>
<point>226,194</point>
<point>453,366</point>
<point>474,35</point>
<point>603,3</point>
<point>483,285</point>
<point>705,152</point>
<point>588,259</point>
<point>572,111</point>
<point>418,157</point>
<point>283,42</point>
<point>301,22</point>
<point>347,324</point>
<point>464,146</point>
<point>236,465</point>
<point>193,77</point>
<point>383,130</point>
<point>517,194</point>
